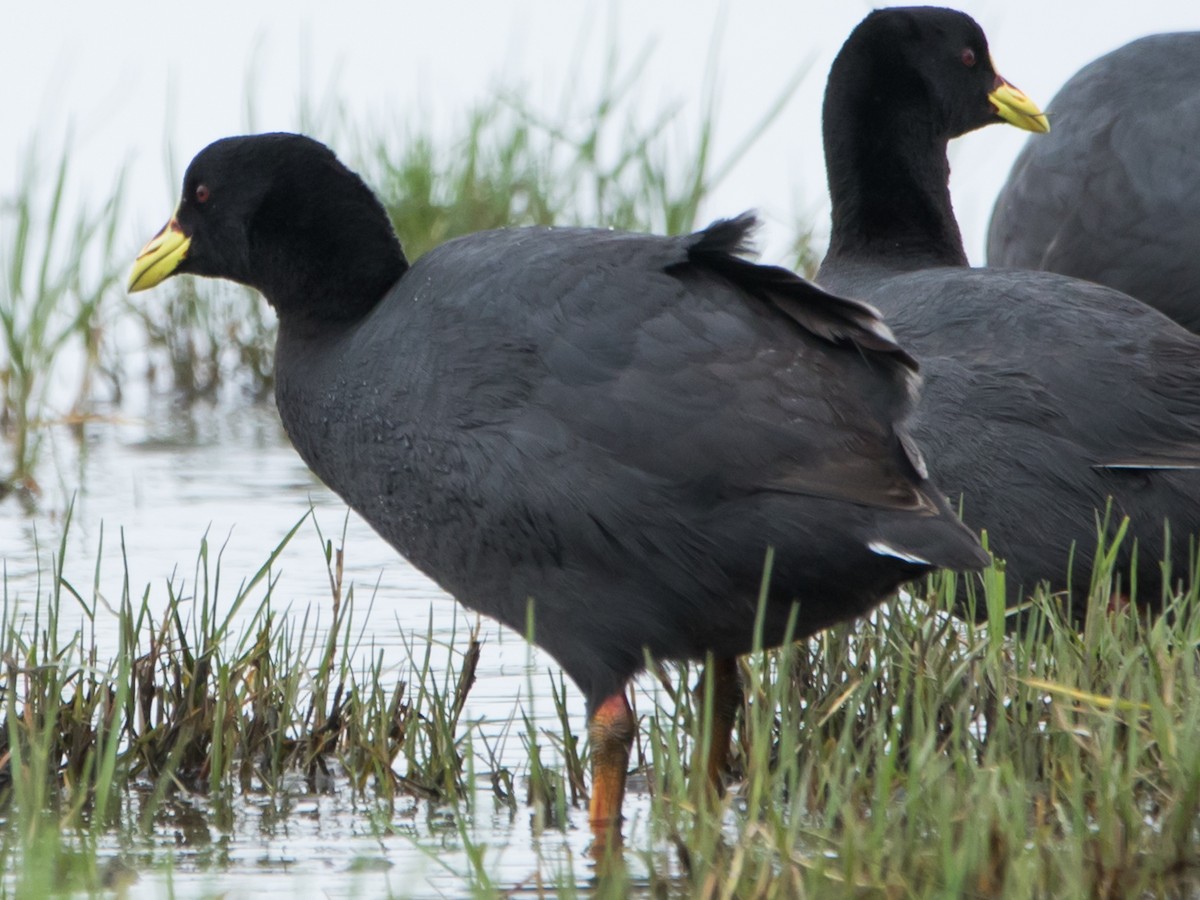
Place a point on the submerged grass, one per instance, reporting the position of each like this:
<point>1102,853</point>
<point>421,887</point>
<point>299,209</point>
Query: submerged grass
<point>908,754</point>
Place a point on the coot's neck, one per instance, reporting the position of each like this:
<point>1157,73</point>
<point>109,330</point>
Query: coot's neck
<point>888,181</point>
<point>325,266</point>
<point>324,295</point>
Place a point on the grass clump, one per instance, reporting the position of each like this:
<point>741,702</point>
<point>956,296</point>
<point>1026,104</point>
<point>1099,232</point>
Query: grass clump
<point>912,754</point>
<point>211,694</point>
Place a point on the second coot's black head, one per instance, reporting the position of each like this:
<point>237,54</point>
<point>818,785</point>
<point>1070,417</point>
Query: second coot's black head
<point>906,81</point>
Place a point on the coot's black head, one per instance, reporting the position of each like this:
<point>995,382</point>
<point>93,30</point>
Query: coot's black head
<point>280,213</point>
<point>926,68</point>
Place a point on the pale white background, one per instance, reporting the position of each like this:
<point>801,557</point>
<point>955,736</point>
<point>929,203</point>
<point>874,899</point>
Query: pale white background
<point>123,75</point>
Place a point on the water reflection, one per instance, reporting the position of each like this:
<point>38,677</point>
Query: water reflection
<point>327,846</point>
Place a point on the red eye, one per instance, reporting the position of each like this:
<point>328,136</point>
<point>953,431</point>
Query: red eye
<point>968,57</point>
<point>202,193</point>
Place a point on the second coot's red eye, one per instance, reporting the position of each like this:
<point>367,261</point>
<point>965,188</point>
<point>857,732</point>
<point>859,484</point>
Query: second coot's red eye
<point>202,193</point>
<point>968,57</point>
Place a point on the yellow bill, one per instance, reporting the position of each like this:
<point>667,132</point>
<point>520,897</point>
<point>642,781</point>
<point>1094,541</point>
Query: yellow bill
<point>160,257</point>
<point>1014,107</point>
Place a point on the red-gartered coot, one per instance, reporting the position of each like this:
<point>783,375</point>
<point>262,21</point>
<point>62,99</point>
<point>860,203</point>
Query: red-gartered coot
<point>608,428</point>
<point>1044,395</point>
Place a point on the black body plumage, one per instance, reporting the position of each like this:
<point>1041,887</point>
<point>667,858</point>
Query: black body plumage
<point>1112,194</point>
<point>611,427</point>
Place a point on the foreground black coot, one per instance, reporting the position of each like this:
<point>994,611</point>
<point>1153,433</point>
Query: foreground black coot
<point>1044,395</point>
<point>611,428</point>
<point>1113,194</point>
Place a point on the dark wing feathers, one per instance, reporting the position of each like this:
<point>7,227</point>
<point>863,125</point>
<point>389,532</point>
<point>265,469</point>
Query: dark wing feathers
<point>1060,345</point>
<point>838,320</point>
<point>724,237</point>
<point>681,361</point>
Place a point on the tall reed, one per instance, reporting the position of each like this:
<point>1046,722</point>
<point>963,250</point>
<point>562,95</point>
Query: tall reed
<point>58,267</point>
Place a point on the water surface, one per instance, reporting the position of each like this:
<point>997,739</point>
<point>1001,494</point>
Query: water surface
<point>152,487</point>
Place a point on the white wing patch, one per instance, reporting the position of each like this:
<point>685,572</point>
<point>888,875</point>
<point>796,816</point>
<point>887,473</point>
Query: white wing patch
<point>883,549</point>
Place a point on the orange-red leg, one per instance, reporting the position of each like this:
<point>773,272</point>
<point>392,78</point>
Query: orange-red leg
<point>611,730</point>
<point>1119,603</point>
<point>726,700</point>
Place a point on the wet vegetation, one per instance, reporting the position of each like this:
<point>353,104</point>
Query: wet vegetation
<point>908,754</point>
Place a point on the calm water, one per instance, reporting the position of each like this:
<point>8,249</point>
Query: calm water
<point>158,483</point>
